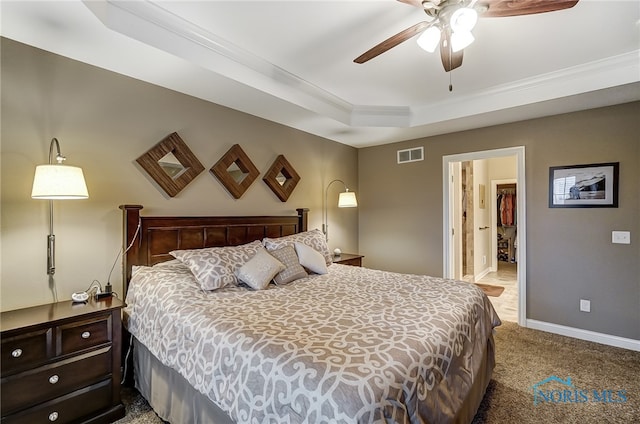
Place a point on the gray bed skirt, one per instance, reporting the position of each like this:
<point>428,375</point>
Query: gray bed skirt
<point>176,401</point>
<point>169,394</point>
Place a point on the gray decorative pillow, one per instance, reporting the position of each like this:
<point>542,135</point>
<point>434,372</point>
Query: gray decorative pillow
<point>314,238</point>
<point>215,267</point>
<point>293,270</point>
<point>311,259</point>
<point>260,270</point>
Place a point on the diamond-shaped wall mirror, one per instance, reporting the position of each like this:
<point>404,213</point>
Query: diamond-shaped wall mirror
<point>171,164</point>
<point>235,171</point>
<point>281,178</point>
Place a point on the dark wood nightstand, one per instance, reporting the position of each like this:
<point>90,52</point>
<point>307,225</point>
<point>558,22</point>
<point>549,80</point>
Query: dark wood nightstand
<point>61,363</point>
<point>348,259</point>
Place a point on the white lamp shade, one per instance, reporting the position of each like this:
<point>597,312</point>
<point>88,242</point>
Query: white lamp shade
<point>464,19</point>
<point>347,199</point>
<point>460,40</point>
<point>429,39</point>
<point>57,182</point>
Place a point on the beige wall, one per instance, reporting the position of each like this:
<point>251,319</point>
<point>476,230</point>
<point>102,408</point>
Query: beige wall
<point>569,251</point>
<point>104,121</point>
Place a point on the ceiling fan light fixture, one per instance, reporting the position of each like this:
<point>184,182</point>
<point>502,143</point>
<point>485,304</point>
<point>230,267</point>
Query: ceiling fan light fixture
<point>460,40</point>
<point>463,19</point>
<point>430,39</point>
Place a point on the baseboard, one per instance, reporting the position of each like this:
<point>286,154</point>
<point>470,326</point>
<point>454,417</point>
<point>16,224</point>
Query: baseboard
<point>591,336</point>
<point>480,276</point>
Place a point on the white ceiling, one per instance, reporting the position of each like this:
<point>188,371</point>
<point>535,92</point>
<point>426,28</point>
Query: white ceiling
<point>292,61</point>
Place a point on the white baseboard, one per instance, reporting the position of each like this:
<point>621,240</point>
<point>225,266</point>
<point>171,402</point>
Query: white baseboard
<point>477,278</point>
<point>591,336</point>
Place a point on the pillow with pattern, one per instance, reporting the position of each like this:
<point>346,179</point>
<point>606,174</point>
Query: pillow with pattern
<point>215,267</point>
<point>311,259</point>
<point>313,238</point>
<point>293,270</point>
<point>258,272</point>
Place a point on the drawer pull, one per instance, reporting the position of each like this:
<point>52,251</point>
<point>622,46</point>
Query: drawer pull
<point>53,416</point>
<point>54,379</point>
<point>86,335</point>
<point>16,353</point>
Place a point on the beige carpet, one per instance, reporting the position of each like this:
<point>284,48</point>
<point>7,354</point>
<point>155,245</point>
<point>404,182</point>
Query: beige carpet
<point>524,358</point>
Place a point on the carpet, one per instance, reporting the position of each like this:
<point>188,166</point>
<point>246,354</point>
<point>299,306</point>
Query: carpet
<point>489,290</point>
<point>524,358</point>
<point>604,384</point>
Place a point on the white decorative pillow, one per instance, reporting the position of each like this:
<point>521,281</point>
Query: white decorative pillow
<point>314,238</point>
<point>311,258</point>
<point>260,270</point>
<point>293,270</point>
<point>215,267</point>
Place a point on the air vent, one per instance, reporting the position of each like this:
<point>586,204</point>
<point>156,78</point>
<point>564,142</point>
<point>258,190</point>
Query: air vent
<point>411,155</point>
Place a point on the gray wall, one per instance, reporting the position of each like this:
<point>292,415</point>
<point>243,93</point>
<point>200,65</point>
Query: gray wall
<point>569,251</point>
<point>104,121</point>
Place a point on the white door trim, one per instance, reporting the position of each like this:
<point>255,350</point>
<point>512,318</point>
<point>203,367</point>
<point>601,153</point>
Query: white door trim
<point>447,227</point>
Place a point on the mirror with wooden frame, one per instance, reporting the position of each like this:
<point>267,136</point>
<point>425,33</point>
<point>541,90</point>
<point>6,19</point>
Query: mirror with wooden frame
<point>235,171</point>
<point>281,178</point>
<point>171,164</point>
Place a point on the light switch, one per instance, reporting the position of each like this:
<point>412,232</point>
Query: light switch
<point>585,305</point>
<point>621,237</point>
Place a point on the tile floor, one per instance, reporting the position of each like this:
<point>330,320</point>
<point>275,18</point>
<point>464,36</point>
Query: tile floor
<point>506,305</point>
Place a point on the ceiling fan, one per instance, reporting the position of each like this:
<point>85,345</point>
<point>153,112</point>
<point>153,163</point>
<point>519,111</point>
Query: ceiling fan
<point>452,21</point>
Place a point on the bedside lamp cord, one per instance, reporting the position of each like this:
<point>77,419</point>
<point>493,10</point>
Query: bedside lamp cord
<point>126,360</point>
<point>120,252</point>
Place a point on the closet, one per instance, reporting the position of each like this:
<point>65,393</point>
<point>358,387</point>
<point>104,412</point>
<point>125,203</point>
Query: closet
<point>507,225</point>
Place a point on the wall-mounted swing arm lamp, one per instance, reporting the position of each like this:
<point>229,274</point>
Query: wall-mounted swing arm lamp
<point>56,181</point>
<point>347,199</point>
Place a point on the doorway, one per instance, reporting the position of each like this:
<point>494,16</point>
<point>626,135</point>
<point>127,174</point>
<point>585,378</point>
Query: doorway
<point>504,224</point>
<point>486,244</point>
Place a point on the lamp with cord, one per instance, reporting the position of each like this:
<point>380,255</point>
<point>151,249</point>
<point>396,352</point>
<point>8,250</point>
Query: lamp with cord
<point>56,181</point>
<point>347,199</point>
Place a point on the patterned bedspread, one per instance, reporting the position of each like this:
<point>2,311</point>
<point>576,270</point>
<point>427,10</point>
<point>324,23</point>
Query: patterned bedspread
<point>354,345</point>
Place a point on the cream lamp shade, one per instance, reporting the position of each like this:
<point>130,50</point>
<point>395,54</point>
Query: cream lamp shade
<point>347,199</point>
<point>59,182</point>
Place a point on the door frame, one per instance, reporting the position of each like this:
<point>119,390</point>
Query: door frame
<point>448,253</point>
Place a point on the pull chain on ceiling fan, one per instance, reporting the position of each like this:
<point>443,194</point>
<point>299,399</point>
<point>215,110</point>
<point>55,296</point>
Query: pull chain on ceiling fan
<point>451,24</point>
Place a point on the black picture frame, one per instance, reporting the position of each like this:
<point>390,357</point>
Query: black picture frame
<point>584,186</point>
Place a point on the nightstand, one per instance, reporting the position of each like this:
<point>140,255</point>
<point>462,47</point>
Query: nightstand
<point>61,363</point>
<point>348,259</point>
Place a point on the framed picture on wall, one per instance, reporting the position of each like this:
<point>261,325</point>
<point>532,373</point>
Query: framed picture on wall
<point>584,186</point>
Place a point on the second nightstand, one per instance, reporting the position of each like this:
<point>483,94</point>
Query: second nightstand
<point>348,259</point>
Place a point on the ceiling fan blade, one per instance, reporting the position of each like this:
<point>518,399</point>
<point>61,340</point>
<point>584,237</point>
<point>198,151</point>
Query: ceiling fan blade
<point>504,8</point>
<point>392,42</point>
<point>450,59</point>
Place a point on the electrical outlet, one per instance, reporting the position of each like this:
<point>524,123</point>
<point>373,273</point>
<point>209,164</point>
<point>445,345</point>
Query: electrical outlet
<point>621,237</point>
<point>585,305</point>
<point>484,259</point>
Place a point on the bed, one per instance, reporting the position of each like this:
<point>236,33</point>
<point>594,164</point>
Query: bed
<point>334,343</point>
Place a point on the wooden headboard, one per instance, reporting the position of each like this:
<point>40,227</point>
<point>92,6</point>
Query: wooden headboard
<point>156,236</point>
